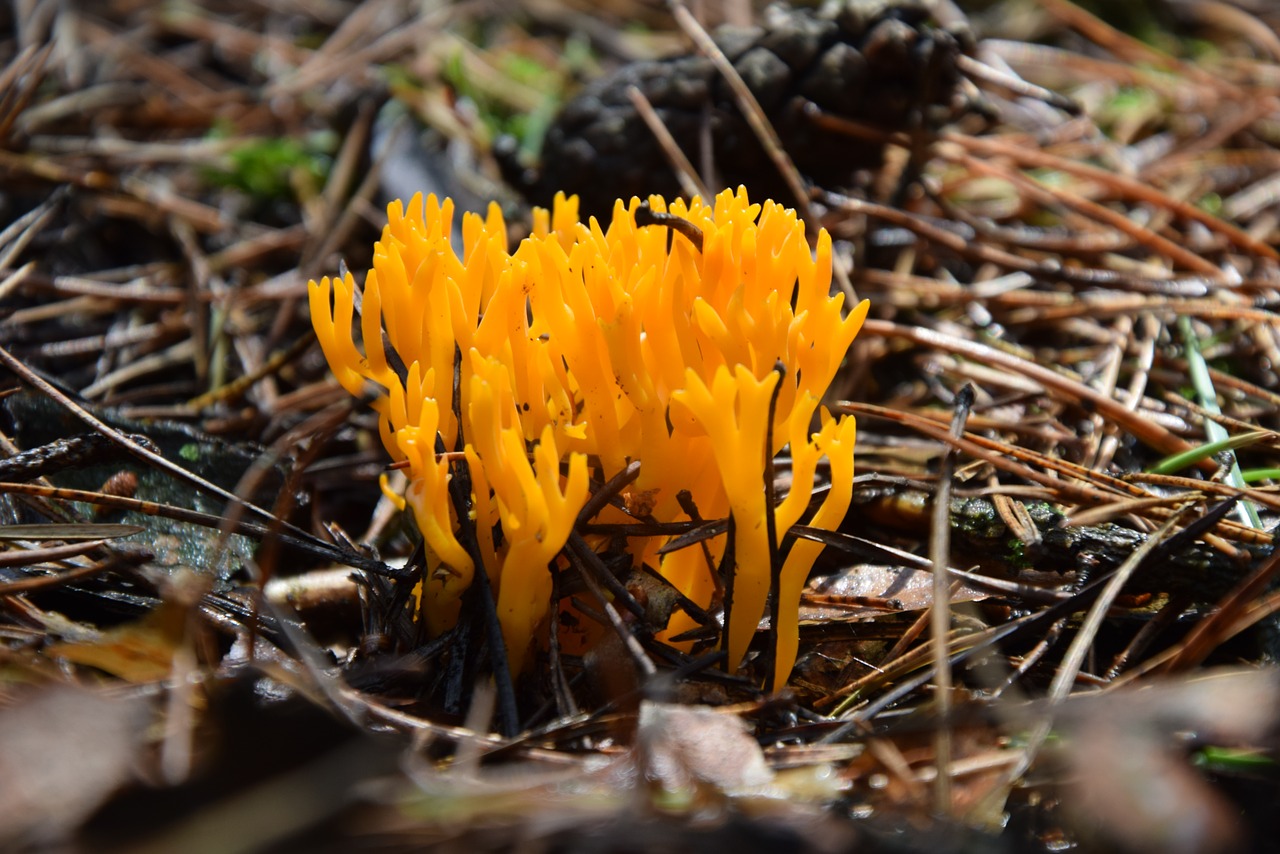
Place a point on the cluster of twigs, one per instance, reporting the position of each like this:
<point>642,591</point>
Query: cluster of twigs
<point>1066,398</point>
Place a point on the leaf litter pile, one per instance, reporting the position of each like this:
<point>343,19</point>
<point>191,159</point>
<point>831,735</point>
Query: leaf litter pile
<point>1048,621</point>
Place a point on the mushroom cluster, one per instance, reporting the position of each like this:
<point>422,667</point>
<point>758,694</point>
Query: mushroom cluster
<point>700,351</point>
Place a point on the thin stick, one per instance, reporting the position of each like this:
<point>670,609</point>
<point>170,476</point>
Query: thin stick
<point>594,566</point>
<point>1014,84</point>
<point>482,588</point>
<point>1144,429</point>
<point>30,557</point>
<point>690,183</point>
<point>241,384</point>
<point>1160,246</point>
<point>940,610</point>
<point>35,380</point>
<point>12,588</point>
<point>1069,669</point>
<point>608,492</point>
<point>1132,188</point>
<point>581,554</point>
<point>763,130</point>
<point>750,108</point>
<point>24,229</point>
<point>308,543</point>
<point>771,532</point>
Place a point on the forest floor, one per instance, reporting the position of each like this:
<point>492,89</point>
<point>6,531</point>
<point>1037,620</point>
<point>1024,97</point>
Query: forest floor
<point>1089,242</point>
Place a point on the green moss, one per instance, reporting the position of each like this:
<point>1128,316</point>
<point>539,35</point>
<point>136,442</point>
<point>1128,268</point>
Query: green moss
<point>1016,553</point>
<point>501,118</point>
<point>1210,203</point>
<point>978,519</point>
<point>269,168</point>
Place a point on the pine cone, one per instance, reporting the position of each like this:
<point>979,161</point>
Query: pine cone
<point>884,62</point>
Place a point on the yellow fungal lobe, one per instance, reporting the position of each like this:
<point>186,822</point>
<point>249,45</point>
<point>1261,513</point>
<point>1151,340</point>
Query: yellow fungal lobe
<point>584,349</point>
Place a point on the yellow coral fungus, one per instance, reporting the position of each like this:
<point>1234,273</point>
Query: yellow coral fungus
<point>590,348</point>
